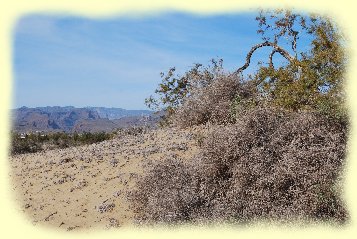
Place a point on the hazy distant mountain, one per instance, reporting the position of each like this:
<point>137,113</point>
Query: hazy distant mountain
<point>110,125</point>
<point>117,113</point>
<point>71,119</point>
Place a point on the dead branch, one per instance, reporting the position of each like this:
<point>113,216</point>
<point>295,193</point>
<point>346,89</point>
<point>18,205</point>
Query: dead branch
<point>271,65</point>
<point>276,47</point>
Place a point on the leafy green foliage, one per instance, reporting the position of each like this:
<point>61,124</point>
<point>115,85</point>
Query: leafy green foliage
<point>315,78</point>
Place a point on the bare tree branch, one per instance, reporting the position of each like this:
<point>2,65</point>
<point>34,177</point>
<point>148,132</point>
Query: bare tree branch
<point>277,48</point>
<point>271,65</point>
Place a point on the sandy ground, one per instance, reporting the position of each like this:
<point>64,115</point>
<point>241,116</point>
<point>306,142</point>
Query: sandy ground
<point>85,187</point>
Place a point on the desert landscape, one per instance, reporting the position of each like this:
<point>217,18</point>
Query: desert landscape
<point>225,146</point>
<point>85,187</point>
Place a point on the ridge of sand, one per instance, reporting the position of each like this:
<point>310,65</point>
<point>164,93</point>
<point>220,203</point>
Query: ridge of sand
<point>86,186</point>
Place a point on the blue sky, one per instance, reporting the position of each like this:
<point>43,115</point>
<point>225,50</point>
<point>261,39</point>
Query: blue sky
<point>116,62</point>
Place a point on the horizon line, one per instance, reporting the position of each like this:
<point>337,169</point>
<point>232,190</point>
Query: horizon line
<point>78,107</point>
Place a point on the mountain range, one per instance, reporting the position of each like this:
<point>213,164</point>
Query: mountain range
<point>72,119</point>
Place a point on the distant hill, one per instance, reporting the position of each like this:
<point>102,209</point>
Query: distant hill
<point>70,119</point>
<point>117,113</point>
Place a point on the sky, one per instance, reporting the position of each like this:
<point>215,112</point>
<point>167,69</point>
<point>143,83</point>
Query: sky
<point>62,60</point>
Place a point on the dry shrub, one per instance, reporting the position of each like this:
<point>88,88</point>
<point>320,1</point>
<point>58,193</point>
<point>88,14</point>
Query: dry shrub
<point>270,165</point>
<point>167,194</point>
<point>279,165</point>
<point>211,103</point>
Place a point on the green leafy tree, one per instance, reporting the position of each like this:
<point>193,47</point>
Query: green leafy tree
<point>311,79</point>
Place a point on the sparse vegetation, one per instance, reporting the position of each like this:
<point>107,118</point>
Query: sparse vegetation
<point>34,142</point>
<point>37,141</point>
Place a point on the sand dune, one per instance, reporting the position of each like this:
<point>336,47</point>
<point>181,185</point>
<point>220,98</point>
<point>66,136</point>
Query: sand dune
<point>85,187</point>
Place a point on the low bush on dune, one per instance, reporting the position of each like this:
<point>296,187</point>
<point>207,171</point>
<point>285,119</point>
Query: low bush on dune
<point>168,194</point>
<point>273,165</point>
